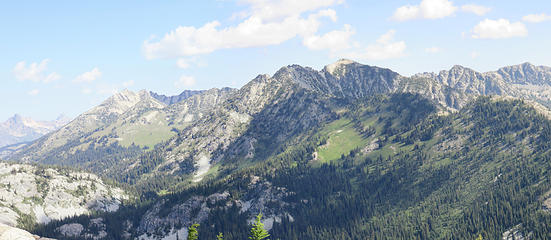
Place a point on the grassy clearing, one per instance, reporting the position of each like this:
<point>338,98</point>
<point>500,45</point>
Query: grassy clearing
<point>145,136</point>
<point>342,138</point>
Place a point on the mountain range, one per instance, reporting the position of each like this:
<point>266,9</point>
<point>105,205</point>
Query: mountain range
<point>18,131</point>
<point>130,124</point>
<point>454,154</point>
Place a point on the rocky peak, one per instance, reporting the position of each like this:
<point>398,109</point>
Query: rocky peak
<point>118,103</point>
<point>15,120</point>
<point>62,119</point>
<point>345,78</point>
<point>338,66</point>
<point>462,78</point>
<point>144,93</point>
<point>457,71</point>
<point>124,94</point>
<point>295,74</point>
<point>526,73</point>
<point>169,100</point>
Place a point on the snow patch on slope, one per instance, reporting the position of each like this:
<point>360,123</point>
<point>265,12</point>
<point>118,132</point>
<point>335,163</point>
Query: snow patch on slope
<point>203,166</point>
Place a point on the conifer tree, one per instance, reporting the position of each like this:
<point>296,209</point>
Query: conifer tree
<point>258,232</point>
<point>192,232</point>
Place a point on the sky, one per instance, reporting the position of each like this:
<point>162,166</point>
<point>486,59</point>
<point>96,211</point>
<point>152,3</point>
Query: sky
<point>65,57</point>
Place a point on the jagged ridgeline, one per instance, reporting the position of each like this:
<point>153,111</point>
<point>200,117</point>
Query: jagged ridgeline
<point>349,152</point>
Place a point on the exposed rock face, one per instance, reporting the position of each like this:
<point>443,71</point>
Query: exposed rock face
<point>515,234</point>
<point>11,233</point>
<point>19,129</point>
<point>96,229</point>
<point>45,194</point>
<point>70,230</point>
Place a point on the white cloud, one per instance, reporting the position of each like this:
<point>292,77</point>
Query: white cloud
<point>267,23</point>
<point>34,72</point>
<point>405,13</point>
<point>433,50</point>
<point>476,9</point>
<point>536,18</point>
<point>280,9</point>
<point>33,92</point>
<point>501,28</point>
<point>428,9</point>
<point>475,54</point>
<point>435,9</point>
<point>88,76</point>
<point>184,81</point>
<point>385,48</point>
<point>333,41</point>
<point>128,83</point>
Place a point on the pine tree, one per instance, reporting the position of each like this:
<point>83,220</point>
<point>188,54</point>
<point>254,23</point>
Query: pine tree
<point>258,232</point>
<point>220,236</point>
<point>192,232</point>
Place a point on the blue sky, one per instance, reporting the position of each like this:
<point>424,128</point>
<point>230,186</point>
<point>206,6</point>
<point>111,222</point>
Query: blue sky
<point>68,56</point>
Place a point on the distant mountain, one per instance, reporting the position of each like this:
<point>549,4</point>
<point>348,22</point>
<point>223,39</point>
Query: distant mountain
<point>457,86</point>
<point>18,129</point>
<point>168,100</point>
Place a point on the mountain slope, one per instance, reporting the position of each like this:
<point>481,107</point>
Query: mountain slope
<point>123,126</point>
<point>233,131</point>
<point>482,170</point>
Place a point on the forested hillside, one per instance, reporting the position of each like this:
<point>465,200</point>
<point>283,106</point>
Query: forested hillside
<point>480,171</point>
